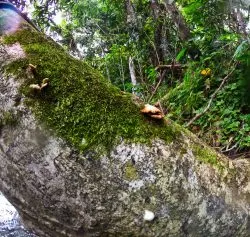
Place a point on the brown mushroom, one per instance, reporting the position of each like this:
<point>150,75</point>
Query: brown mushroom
<point>44,83</point>
<point>32,67</point>
<point>35,87</point>
<point>38,87</point>
<point>152,111</point>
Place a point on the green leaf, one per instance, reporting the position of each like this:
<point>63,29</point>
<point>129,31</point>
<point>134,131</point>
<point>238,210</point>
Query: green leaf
<point>181,54</point>
<point>241,49</point>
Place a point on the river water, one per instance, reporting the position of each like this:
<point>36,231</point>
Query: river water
<point>10,225</point>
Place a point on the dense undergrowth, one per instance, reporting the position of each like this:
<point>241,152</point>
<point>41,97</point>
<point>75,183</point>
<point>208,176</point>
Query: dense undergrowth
<point>215,87</point>
<point>226,123</point>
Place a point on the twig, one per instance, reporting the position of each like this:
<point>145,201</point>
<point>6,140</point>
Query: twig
<point>161,107</point>
<point>238,155</point>
<point>170,66</point>
<point>158,84</point>
<point>197,116</point>
<point>227,148</point>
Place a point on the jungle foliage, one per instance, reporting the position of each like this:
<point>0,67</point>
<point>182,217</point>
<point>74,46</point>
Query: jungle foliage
<point>191,57</point>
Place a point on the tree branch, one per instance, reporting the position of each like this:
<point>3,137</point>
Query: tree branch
<point>158,84</point>
<point>170,66</point>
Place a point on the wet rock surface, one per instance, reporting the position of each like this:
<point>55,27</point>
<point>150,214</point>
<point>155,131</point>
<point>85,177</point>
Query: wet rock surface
<point>10,223</point>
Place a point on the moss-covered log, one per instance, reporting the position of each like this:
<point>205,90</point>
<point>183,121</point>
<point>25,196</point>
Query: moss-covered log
<point>77,158</point>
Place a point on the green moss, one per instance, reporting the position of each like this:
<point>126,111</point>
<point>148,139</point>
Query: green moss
<point>79,104</point>
<point>18,67</point>
<point>130,172</point>
<point>207,155</point>
<point>183,151</point>
<point>8,118</point>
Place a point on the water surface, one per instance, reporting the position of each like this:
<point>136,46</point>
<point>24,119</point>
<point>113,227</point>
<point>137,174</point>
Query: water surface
<point>10,225</point>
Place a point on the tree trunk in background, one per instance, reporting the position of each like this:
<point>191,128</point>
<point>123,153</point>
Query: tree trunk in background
<point>164,43</point>
<point>161,11</point>
<point>131,17</point>
<point>132,29</point>
<point>132,71</point>
<point>241,24</point>
<point>178,20</point>
<point>59,190</point>
<point>157,15</point>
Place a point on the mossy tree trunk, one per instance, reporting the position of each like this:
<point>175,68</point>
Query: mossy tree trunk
<point>78,159</point>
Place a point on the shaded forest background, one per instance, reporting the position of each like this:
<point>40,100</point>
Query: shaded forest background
<point>191,58</point>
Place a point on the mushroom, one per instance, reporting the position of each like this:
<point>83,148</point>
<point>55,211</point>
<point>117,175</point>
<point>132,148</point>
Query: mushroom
<point>31,71</point>
<point>35,87</point>
<point>44,83</point>
<point>40,87</point>
<point>32,67</point>
<point>152,111</point>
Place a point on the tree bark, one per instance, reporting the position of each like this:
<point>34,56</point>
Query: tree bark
<point>132,71</point>
<point>158,58</point>
<point>178,20</point>
<point>131,17</point>
<point>61,189</point>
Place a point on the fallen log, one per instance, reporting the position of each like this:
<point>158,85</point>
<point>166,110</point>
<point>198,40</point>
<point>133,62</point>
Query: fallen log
<point>77,158</point>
